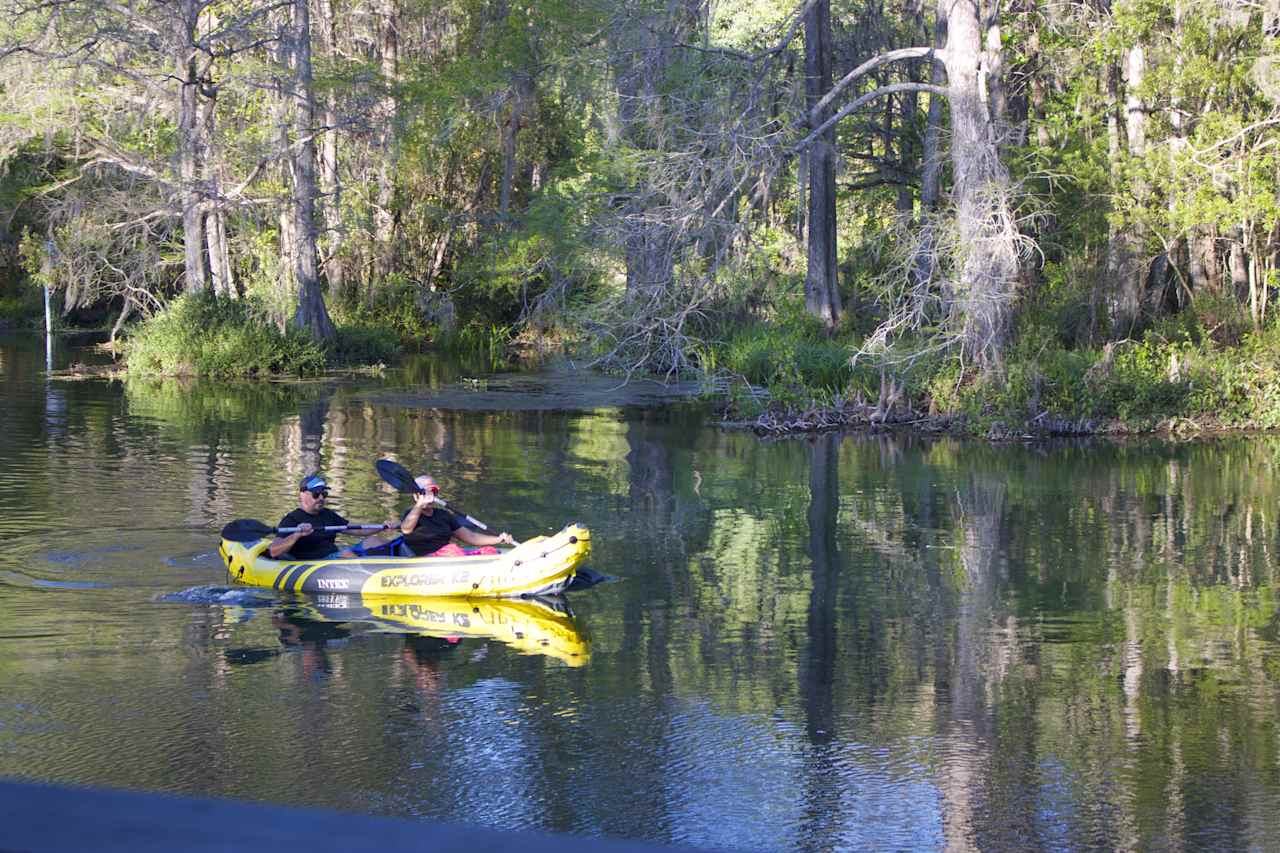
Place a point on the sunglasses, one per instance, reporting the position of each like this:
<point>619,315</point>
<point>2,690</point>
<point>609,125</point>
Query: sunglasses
<point>435,490</point>
<point>319,493</point>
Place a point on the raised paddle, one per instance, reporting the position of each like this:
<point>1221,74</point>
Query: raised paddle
<point>398,477</point>
<point>249,530</point>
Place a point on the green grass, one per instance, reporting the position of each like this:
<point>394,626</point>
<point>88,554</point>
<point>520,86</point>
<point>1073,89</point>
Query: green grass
<point>205,336</point>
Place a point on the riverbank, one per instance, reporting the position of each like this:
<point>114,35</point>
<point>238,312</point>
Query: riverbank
<point>789,375</point>
<point>866,418</point>
<point>1187,385</point>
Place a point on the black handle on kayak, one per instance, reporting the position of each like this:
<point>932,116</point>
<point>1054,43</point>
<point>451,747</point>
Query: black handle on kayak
<point>251,530</point>
<point>398,477</point>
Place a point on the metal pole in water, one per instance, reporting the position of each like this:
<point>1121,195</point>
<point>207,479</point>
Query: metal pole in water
<point>48,333</point>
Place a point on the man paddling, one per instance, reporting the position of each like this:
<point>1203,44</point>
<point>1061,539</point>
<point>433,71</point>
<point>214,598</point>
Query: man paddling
<point>428,529</point>
<point>310,541</point>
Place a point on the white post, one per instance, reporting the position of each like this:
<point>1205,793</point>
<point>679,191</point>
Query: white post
<point>48,333</point>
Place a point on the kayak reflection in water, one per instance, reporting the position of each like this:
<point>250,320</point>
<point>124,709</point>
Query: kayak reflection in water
<point>428,528</point>
<point>311,541</point>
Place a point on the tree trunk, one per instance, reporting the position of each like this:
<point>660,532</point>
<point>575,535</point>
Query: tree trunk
<point>1203,260</point>
<point>219,253</point>
<point>1124,265</point>
<point>384,213</point>
<point>987,237</point>
<point>649,246</point>
<point>521,94</point>
<point>820,293</point>
<point>311,316</point>
<point>330,181</point>
<point>1237,263</point>
<point>924,266</point>
<point>190,150</point>
<point>221,278</point>
<point>281,120</point>
<point>1039,90</point>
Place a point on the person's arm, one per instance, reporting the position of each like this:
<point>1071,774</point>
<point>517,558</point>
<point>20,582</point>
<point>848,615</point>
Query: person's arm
<point>475,537</point>
<point>421,501</point>
<point>281,544</point>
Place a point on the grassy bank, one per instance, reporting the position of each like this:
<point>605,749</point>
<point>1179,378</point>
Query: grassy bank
<point>221,338</point>
<point>1184,375</point>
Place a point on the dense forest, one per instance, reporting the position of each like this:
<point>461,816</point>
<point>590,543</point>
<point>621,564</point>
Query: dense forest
<point>1063,210</point>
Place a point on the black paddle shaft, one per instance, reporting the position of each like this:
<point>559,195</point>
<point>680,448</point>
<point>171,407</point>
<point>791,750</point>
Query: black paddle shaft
<point>251,530</point>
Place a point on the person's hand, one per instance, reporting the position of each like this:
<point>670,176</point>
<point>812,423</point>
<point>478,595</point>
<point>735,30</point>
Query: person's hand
<point>392,524</point>
<point>304,528</point>
<point>504,538</point>
<point>422,500</point>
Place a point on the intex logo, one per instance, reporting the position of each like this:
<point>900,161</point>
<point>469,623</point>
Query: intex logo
<point>336,583</point>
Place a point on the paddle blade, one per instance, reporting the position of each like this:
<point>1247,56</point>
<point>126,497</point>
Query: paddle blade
<point>396,475</point>
<point>246,530</point>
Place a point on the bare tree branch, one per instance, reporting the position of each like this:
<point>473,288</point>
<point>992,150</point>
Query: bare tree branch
<point>865,99</point>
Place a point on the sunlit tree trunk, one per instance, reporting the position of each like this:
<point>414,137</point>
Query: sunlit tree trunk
<point>986,232</point>
<point>1126,243</point>
<point>217,244</point>
<point>191,147</point>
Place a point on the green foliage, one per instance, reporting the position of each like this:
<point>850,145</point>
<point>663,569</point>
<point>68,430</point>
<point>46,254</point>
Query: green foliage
<point>486,347</point>
<point>363,342</point>
<point>792,357</point>
<point>1177,373</point>
<point>205,336</point>
<point>395,315</point>
<point>21,306</point>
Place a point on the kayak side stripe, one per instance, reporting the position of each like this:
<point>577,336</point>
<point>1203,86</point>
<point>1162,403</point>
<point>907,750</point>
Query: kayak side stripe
<point>299,578</point>
<point>292,581</point>
<point>284,582</point>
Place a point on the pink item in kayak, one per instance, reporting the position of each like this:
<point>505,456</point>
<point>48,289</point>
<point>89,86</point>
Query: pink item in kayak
<point>455,550</point>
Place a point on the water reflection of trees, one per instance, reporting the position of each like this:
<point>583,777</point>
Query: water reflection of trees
<point>1085,638</point>
<point>1060,612</point>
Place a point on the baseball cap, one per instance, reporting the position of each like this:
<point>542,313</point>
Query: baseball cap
<point>313,483</point>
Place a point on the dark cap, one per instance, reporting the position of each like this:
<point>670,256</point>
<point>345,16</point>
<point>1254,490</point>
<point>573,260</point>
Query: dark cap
<point>313,483</point>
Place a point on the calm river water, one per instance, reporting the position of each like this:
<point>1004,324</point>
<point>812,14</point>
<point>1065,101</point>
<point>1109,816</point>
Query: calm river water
<point>842,642</point>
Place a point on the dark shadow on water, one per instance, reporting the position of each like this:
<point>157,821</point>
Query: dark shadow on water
<point>546,391</point>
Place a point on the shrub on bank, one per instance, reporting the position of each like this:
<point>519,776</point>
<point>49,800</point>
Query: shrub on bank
<point>201,335</point>
<point>1175,375</point>
<point>1137,383</point>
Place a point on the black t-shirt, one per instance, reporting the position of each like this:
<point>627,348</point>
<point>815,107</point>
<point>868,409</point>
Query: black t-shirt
<point>316,543</point>
<point>432,533</point>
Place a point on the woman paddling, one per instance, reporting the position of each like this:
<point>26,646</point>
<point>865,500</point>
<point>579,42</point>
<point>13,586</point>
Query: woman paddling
<point>429,529</point>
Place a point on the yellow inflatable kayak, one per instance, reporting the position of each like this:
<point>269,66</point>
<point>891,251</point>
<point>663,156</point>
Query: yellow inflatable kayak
<point>543,565</point>
<point>541,626</point>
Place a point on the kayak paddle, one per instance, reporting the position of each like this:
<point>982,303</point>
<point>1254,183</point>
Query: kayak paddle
<point>398,477</point>
<point>249,530</point>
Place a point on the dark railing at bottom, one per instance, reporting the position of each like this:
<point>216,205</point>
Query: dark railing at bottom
<point>42,818</point>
